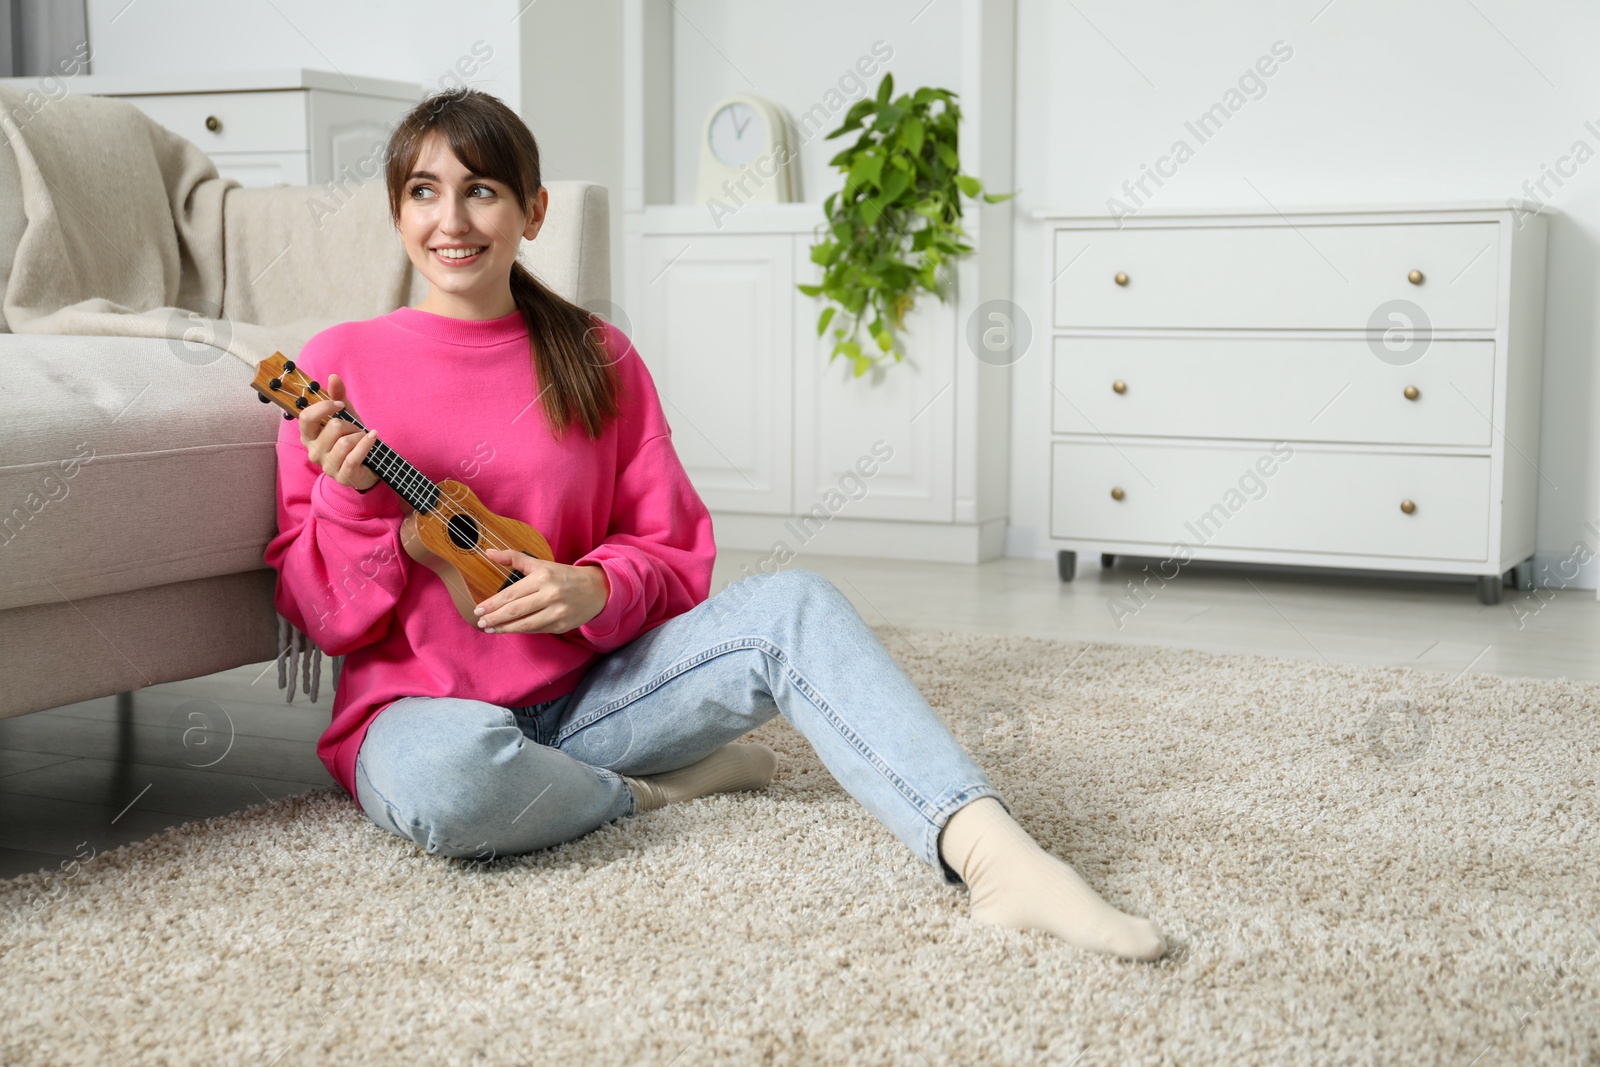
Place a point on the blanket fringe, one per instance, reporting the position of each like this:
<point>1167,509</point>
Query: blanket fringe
<point>300,660</point>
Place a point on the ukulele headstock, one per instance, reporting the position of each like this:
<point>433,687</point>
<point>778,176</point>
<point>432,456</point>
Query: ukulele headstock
<point>278,381</point>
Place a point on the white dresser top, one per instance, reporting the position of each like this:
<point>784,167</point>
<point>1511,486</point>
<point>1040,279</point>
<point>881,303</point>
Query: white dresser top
<point>228,81</point>
<point>1045,214</point>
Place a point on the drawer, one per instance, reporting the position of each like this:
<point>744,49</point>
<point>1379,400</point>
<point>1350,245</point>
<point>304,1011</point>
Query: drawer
<point>267,121</point>
<point>1323,389</point>
<point>1306,276</point>
<point>1287,497</point>
<point>255,169</point>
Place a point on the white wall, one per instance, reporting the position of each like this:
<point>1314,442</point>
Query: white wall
<point>571,91</point>
<point>418,41</point>
<point>1381,102</point>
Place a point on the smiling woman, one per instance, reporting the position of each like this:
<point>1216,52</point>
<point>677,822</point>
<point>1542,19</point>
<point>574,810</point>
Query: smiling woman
<point>601,682</point>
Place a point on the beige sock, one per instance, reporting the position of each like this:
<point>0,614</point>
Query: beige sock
<point>733,766</point>
<point>1016,883</point>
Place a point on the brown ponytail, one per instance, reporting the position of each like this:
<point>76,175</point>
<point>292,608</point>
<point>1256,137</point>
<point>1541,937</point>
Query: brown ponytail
<point>572,370</point>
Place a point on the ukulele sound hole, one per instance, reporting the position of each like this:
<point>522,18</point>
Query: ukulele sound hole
<point>463,531</point>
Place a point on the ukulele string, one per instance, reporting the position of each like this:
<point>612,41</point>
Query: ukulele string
<point>451,511</point>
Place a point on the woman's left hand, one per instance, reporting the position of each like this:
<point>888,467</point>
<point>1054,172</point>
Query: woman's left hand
<point>550,598</point>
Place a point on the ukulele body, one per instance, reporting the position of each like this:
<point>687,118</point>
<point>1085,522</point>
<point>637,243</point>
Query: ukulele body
<point>449,539</point>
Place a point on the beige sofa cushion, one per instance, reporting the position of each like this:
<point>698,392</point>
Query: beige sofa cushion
<point>146,465</point>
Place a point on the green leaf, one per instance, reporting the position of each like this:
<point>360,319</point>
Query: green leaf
<point>898,183</point>
<point>885,88</point>
<point>822,323</point>
<point>811,290</point>
<point>991,198</point>
<point>911,135</point>
<point>866,168</point>
<point>969,185</point>
<point>863,364</point>
<point>947,154</point>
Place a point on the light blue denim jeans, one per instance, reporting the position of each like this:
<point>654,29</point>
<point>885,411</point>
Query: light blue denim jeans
<point>468,779</point>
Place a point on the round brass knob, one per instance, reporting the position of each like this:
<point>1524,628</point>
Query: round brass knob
<point>1117,493</point>
<point>1415,277</point>
<point>1119,386</point>
<point>1412,392</point>
<point>1121,278</point>
<point>1408,507</point>
<point>213,124</point>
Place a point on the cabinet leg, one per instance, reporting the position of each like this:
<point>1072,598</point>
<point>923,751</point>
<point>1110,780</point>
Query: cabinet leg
<point>1108,560</point>
<point>1489,588</point>
<point>1066,565</point>
<point>1524,574</point>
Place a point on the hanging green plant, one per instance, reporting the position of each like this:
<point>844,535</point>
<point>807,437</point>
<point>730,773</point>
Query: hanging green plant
<point>896,220</point>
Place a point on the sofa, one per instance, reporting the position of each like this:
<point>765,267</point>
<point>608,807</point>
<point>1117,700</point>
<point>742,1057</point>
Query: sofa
<point>137,473</point>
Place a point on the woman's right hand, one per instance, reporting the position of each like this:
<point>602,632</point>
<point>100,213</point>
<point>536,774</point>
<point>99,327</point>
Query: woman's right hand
<point>337,446</point>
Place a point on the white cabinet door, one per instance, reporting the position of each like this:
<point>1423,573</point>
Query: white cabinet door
<point>845,425</point>
<point>716,330</point>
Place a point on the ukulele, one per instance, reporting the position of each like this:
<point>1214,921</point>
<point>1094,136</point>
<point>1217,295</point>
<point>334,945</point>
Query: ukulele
<point>447,528</point>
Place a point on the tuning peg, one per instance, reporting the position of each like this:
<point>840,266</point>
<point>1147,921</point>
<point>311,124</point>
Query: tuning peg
<point>299,401</point>
<point>287,416</point>
<point>275,384</point>
<point>288,366</point>
<point>264,398</point>
<point>313,387</point>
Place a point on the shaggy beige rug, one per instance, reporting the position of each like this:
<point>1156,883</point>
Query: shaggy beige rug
<point>1352,866</point>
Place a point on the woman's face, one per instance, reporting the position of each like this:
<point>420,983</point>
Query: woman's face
<point>462,232</point>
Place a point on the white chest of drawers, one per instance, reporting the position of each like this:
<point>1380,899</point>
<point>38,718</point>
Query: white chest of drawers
<point>1340,388</point>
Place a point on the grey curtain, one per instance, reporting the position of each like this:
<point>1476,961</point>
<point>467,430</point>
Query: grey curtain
<point>37,35</point>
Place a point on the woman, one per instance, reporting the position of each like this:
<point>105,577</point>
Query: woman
<point>605,683</point>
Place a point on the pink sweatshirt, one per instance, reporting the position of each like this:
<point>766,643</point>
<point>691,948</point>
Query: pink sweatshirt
<point>457,399</point>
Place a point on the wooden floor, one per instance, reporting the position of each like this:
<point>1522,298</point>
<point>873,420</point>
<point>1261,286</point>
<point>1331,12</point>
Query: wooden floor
<point>83,779</point>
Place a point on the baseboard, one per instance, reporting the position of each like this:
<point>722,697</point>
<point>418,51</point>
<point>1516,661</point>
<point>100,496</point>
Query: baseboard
<point>784,537</point>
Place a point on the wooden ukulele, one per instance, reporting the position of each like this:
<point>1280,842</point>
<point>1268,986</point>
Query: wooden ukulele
<point>448,527</point>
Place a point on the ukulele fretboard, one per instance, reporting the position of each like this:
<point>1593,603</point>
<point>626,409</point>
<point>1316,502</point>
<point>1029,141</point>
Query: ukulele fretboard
<point>414,487</point>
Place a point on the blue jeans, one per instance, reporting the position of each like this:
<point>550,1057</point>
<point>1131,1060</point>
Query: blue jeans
<point>468,779</point>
